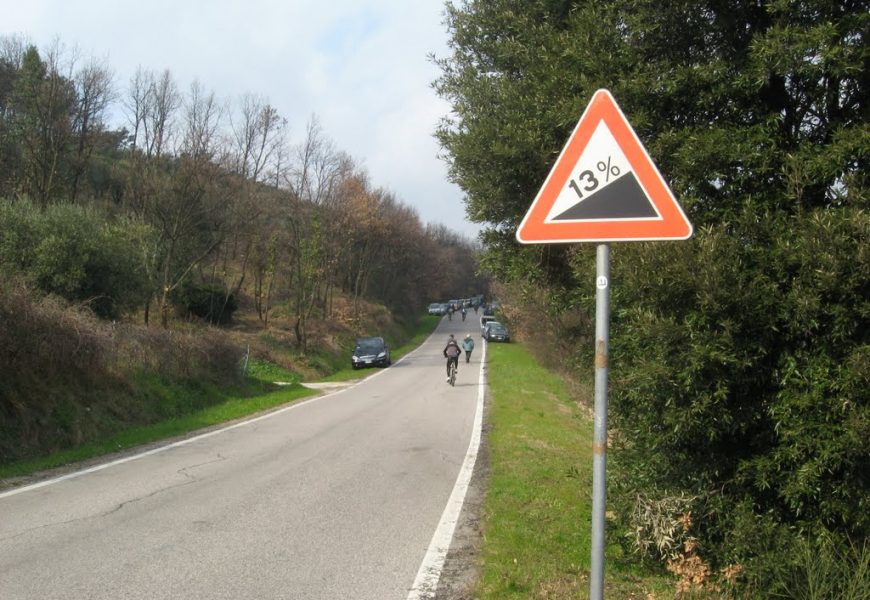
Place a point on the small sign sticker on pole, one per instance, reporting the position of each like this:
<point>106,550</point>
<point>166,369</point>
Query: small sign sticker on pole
<point>603,188</point>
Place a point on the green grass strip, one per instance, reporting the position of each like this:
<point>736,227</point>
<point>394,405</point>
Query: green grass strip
<point>233,407</point>
<point>537,515</point>
<point>268,372</point>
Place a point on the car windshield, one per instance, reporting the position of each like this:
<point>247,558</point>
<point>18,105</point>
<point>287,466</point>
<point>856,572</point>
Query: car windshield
<point>497,329</point>
<point>370,345</point>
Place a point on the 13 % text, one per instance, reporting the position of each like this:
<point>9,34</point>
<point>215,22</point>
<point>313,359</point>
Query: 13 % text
<point>587,182</point>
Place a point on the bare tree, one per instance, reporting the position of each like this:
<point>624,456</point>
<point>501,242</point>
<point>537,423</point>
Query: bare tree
<point>164,101</point>
<point>202,117</point>
<point>259,134</point>
<point>94,91</point>
<point>137,103</point>
<point>318,165</point>
<point>12,49</point>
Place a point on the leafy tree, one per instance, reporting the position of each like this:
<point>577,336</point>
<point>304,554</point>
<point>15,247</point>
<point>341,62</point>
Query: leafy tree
<point>75,253</point>
<point>42,101</point>
<point>8,148</point>
<point>739,357</point>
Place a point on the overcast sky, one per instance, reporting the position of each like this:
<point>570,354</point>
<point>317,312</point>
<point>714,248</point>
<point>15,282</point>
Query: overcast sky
<point>361,66</point>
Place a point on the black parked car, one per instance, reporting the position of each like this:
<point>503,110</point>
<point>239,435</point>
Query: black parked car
<point>496,332</point>
<point>370,351</point>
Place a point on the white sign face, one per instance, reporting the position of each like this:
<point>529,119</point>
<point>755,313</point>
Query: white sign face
<point>602,161</point>
<point>601,182</point>
<point>601,282</point>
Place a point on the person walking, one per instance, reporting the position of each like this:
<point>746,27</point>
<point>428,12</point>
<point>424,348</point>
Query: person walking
<point>468,346</point>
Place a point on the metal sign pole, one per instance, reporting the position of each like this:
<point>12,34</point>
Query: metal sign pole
<point>599,442</point>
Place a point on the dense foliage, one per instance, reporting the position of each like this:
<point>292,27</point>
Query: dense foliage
<point>740,358</point>
<point>196,192</point>
<point>74,253</point>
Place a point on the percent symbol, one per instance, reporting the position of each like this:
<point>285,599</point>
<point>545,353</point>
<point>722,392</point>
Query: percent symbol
<point>607,169</point>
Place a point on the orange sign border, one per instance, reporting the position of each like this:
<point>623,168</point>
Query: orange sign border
<point>673,225</point>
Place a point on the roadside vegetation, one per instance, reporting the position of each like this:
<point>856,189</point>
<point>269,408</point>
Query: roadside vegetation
<point>536,521</point>
<point>160,274</point>
<point>538,510</point>
<point>740,358</point>
<point>91,405</point>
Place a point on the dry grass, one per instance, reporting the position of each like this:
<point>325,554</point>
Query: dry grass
<point>69,378</point>
<point>67,375</point>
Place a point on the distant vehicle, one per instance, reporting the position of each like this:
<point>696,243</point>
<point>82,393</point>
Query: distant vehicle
<point>454,303</point>
<point>438,308</point>
<point>370,351</point>
<point>496,332</point>
<point>484,320</point>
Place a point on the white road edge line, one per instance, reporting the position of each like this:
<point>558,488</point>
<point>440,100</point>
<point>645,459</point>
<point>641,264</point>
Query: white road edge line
<point>426,582</point>
<point>126,459</point>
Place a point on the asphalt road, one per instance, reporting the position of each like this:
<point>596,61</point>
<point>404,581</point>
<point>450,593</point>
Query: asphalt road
<point>336,497</point>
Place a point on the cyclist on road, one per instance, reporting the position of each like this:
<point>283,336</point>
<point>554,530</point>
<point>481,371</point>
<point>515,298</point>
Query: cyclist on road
<point>463,313</point>
<point>468,346</point>
<point>451,353</point>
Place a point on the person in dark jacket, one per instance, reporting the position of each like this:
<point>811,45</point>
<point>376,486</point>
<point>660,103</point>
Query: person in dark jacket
<point>451,353</point>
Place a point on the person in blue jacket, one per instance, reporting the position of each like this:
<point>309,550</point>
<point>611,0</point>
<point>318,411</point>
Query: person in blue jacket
<point>468,346</point>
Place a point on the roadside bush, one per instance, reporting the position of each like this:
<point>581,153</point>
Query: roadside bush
<point>49,354</point>
<point>819,567</point>
<point>75,253</point>
<point>19,235</point>
<point>206,354</point>
<point>658,529</point>
<point>210,301</point>
<point>740,373</point>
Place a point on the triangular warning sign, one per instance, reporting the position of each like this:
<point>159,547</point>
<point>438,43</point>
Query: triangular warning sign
<point>604,187</point>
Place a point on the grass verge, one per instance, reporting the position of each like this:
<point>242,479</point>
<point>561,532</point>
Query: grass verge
<point>537,515</point>
<point>236,404</point>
